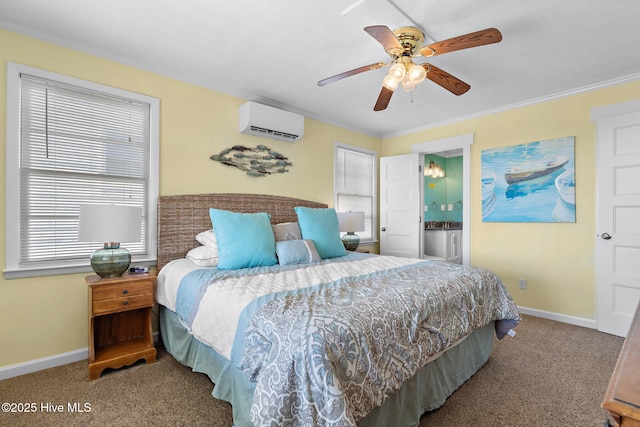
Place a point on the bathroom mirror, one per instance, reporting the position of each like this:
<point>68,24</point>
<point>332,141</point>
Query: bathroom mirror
<point>443,191</point>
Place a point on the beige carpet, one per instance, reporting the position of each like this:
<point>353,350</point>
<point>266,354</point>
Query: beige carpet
<point>549,374</point>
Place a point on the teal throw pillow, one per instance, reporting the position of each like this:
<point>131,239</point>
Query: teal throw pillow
<point>321,226</point>
<point>244,239</point>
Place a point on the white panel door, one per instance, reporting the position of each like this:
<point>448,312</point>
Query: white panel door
<point>400,207</point>
<point>618,222</point>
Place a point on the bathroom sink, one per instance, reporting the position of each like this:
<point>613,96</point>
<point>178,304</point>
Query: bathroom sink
<point>442,225</point>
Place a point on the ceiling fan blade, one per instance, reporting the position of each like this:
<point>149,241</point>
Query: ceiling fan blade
<point>351,73</point>
<point>446,80</point>
<point>383,99</point>
<point>386,38</point>
<point>478,38</point>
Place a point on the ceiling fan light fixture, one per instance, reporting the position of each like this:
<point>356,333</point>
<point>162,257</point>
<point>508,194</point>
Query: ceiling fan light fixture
<point>390,82</point>
<point>408,84</point>
<point>397,71</point>
<point>416,73</point>
<point>406,43</point>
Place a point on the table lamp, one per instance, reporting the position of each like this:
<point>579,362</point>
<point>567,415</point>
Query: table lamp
<point>350,222</point>
<point>110,224</point>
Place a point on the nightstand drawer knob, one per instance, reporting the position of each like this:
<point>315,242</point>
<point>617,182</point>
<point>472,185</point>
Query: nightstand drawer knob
<point>125,302</point>
<point>124,291</point>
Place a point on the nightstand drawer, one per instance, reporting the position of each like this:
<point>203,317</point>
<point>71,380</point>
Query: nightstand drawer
<point>122,304</point>
<point>122,290</point>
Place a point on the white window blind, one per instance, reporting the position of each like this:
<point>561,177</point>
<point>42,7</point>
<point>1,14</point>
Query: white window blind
<point>355,185</point>
<point>77,146</point>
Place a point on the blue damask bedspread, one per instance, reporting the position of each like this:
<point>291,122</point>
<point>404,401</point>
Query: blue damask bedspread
<point>331,356</point>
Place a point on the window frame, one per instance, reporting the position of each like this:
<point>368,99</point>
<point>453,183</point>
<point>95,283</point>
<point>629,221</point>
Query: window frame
<point>13,269</point>
<point>374,190</point>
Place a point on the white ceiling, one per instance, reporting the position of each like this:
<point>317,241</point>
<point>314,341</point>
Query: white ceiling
<point>275,51</point>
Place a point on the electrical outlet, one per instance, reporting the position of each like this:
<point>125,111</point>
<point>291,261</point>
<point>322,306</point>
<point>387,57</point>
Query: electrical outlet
<point>522,283</point>
<point>426,208</point>
<point>450,207</point>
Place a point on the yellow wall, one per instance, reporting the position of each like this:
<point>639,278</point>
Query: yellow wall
<point>46,316</point>
<point>556,259</point>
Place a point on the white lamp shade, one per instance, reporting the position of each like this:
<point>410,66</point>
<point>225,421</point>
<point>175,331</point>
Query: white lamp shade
<point>351,221</point>
<point>110,223</point>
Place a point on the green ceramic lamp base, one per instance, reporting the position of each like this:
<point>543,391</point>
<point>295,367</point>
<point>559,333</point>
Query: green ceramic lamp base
<point>111,261</point>
<point>351,241</point>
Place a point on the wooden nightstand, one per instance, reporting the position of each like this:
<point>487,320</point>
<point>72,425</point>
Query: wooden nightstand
<point>120,321</point>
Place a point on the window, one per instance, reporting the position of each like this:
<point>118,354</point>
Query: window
<point>354,185</point>
<point>72,142</point>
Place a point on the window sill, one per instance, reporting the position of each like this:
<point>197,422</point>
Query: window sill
<point>24,273</point>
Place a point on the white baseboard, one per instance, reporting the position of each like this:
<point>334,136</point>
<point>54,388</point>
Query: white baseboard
<point>44,363</point>
<point>572,320</point>
<point>48,362</point>
<point>83,353</point>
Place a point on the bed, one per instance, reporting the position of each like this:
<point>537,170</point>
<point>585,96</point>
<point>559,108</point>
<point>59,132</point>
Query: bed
<point>310,335</point>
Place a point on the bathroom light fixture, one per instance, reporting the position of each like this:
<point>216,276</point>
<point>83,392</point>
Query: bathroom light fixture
<point>434,170</point>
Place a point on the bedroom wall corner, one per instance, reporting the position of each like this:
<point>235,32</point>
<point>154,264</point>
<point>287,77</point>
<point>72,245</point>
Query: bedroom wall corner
<point>557,259</point>
<point>47,316</point>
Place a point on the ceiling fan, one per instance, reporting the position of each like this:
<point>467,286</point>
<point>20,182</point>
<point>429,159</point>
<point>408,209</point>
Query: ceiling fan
<point>406,43</point>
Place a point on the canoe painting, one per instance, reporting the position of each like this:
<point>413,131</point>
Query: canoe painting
<point>488,191</point>
<point>566,186</point>
<point>533,182</point>
<point>533,170</point>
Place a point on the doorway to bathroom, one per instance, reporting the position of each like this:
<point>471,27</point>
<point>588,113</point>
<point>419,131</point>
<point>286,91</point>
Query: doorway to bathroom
<point>443,206</point>
<point>458,147</point>
<point>402,197</point>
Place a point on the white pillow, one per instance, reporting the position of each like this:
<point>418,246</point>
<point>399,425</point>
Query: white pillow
<point>208,238</point>
<point>204,256</point>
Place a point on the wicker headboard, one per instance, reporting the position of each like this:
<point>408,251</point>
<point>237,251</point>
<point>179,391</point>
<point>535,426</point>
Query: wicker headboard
<point>180,218</point>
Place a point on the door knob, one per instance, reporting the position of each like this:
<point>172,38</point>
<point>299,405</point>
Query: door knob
<point>383,229</point>
<point>605,236</point>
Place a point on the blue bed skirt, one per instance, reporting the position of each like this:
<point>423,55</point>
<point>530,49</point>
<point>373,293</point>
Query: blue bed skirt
<point>426,391</point>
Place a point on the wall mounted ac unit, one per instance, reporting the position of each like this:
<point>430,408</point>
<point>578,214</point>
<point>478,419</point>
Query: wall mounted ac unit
<point>268,122</point>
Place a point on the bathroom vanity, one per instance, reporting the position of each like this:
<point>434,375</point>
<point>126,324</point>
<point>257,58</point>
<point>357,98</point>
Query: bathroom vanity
<point>443,240</point>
